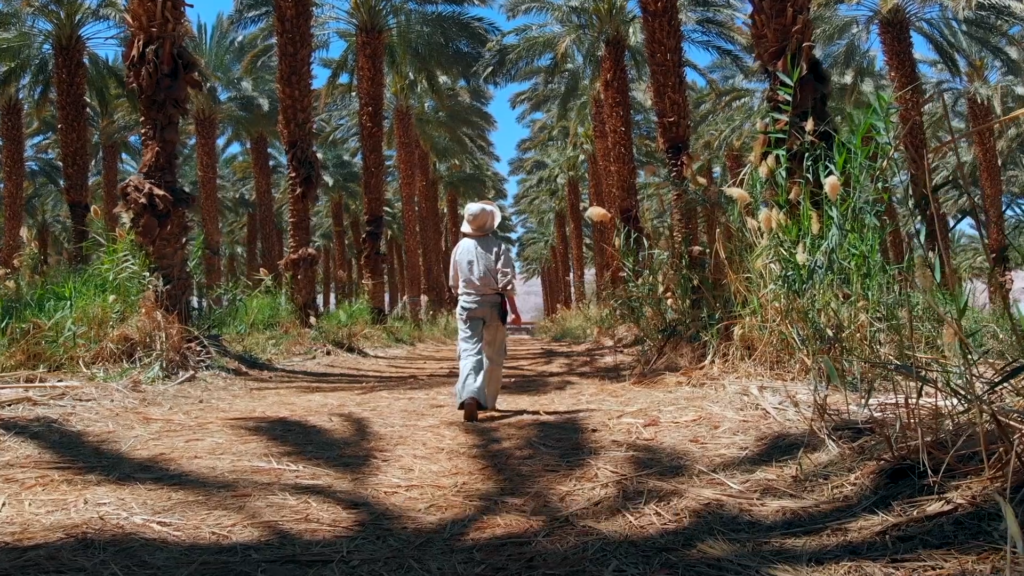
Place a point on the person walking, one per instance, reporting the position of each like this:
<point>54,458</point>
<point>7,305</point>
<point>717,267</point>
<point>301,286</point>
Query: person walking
<point>483,275</point>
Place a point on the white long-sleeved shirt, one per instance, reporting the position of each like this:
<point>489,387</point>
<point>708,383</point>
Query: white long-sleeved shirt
<point>482,266</point>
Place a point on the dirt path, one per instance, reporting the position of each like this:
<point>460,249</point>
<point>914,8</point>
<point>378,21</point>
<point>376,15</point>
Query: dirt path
<point>360,465</point>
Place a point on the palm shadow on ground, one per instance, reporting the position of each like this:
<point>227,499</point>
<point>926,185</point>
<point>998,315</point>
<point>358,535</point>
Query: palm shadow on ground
<point>529,463</point>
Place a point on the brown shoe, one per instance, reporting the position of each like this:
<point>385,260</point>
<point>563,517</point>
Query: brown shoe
<point>469,410</point>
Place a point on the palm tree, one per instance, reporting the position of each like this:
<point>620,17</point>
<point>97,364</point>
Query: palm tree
<point>116,123</point>
<point>161,71</point>
<point>981,65</point>
<point>293,22</point>
<point>579,43</point>
<point>250,118</point>
<point>221,58</point>
<point>70,30</point>
<point>553,157</point>
<point>712,30</point>
<point>12,138</point>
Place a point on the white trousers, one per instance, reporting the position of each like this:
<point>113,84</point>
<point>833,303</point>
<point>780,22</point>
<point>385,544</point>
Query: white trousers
<point>481,351</point>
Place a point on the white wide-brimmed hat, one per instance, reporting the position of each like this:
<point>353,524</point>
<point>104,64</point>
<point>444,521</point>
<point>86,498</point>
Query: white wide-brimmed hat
<point>481,218</point>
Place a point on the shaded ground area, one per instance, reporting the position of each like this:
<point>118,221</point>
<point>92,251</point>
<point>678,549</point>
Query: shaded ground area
<point>360,465</point>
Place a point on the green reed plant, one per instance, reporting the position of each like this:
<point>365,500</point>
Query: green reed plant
<point>57,322</point>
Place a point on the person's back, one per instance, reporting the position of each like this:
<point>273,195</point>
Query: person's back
<point>483,275</point>
<point>482,266</point>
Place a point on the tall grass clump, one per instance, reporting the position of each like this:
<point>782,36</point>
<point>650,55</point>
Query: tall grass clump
<point>578,325</point>
<point>92,315</point>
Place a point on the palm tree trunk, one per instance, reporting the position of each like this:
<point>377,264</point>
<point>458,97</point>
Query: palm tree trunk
<point>430,230</point>
<point>564,268</point>
<point>327,277</point>
<point>262,176</point>
<point>545,290</point>
<point>161,71</point>
<point>1000,281</point>
<point>400,272</point>
<point>293,22</point>
<point>341,269</point>
<point>43,239</point>
<point>712,233</point>
<point>207,129</point>
<point>557,284</point>
<point>603,194</point>
<point>572,191</point>
<point>111,167</point>
<point>358,280</point>
<point>619,119</point>
<point>231,268</point>
<point>12,138</point>
<point>392,276</point>
<point>452,223</point>
<point>663,43</point>
<point>70,79</point>
<point>898,50</point>
<point>408,166</point>
<point>370,46</point>
<point>252,235</point>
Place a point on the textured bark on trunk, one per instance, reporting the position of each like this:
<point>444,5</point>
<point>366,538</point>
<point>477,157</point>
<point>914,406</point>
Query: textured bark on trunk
<point>293,21</point>
<point>619,120</point>
<point>453,221</point>
<point>207,129</point>
<point>400,271</point>
<point>712,235</point>
<point>545,289</point>
<point>327,278</point>
<point>342,288</point>
<point>564,267</point>
<point>430,230</point>
<point>252,256</point>
<point>12,138</point>
<point>262,176</point>
<point>894,245</point>
<point>231,268</point>
<point>160,71</point>
<point>408,183</point>
<point>572,191</point>
<point>358,279</point>
<point>603,194</point>
<point>556,283</point>
<point>111,167</point>
<point>370,46</point>
<point>898,50</point>
<point>663,43</point>
<point>392,276</point>
<point>70,79</point>
<point>596,229</point>
<point>1000,280</point>
<point>43,239</point>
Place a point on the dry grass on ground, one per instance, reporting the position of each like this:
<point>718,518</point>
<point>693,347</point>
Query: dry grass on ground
<point>345,465</point>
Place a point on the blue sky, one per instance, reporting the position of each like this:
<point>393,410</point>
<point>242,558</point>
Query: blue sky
<point>508,132</point>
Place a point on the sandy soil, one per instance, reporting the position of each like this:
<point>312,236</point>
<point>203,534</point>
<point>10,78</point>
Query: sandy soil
<point>361,465</point>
